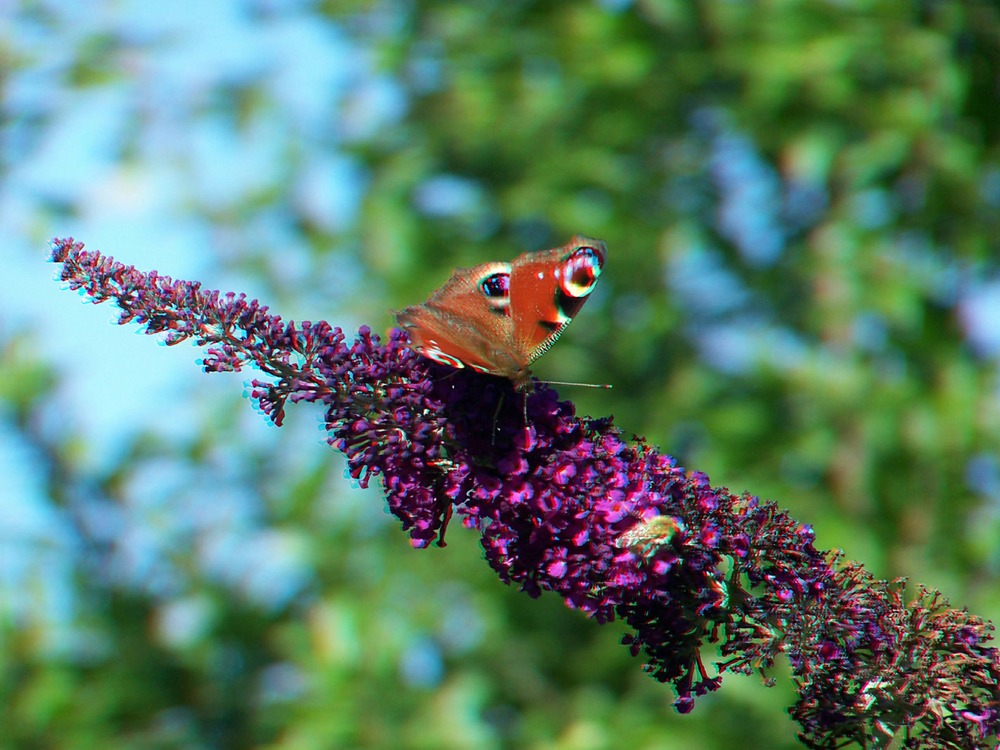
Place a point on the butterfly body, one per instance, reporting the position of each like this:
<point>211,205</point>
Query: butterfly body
<point>498,317</point>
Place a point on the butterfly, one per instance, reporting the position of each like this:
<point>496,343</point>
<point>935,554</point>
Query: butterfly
<point>498,318</point>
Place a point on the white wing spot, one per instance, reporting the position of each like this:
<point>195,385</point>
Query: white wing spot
<point>434,353</point>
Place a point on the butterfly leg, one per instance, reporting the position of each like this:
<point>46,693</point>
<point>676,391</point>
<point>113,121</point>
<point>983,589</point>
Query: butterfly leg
<point>496,416</point>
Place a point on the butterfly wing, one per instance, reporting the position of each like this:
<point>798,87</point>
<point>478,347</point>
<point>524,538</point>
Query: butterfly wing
<point>467,323</point>
<point>500,317</point>
<point>547,289</point>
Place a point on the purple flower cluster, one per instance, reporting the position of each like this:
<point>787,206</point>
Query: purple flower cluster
<point>565,504</point>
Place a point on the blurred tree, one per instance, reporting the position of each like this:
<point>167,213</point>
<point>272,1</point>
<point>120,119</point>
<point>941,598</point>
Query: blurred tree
<point>800,201</point>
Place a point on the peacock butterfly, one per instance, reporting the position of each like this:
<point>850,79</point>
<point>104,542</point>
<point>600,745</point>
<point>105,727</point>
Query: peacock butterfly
<point>498,318</point>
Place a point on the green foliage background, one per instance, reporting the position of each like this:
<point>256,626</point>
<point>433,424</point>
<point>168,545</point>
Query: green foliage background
<point>800,198</point>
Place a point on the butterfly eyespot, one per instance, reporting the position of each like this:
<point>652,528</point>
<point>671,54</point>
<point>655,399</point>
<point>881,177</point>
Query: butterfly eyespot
<point>440,357</point>
<point>496,285</point>
<point>496,290</point>
<point>581,270</point>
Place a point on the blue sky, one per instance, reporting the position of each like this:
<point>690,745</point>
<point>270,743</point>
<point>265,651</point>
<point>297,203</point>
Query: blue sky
<point>149,206</point>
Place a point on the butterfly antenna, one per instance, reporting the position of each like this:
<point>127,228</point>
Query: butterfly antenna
<point>581,385</point>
